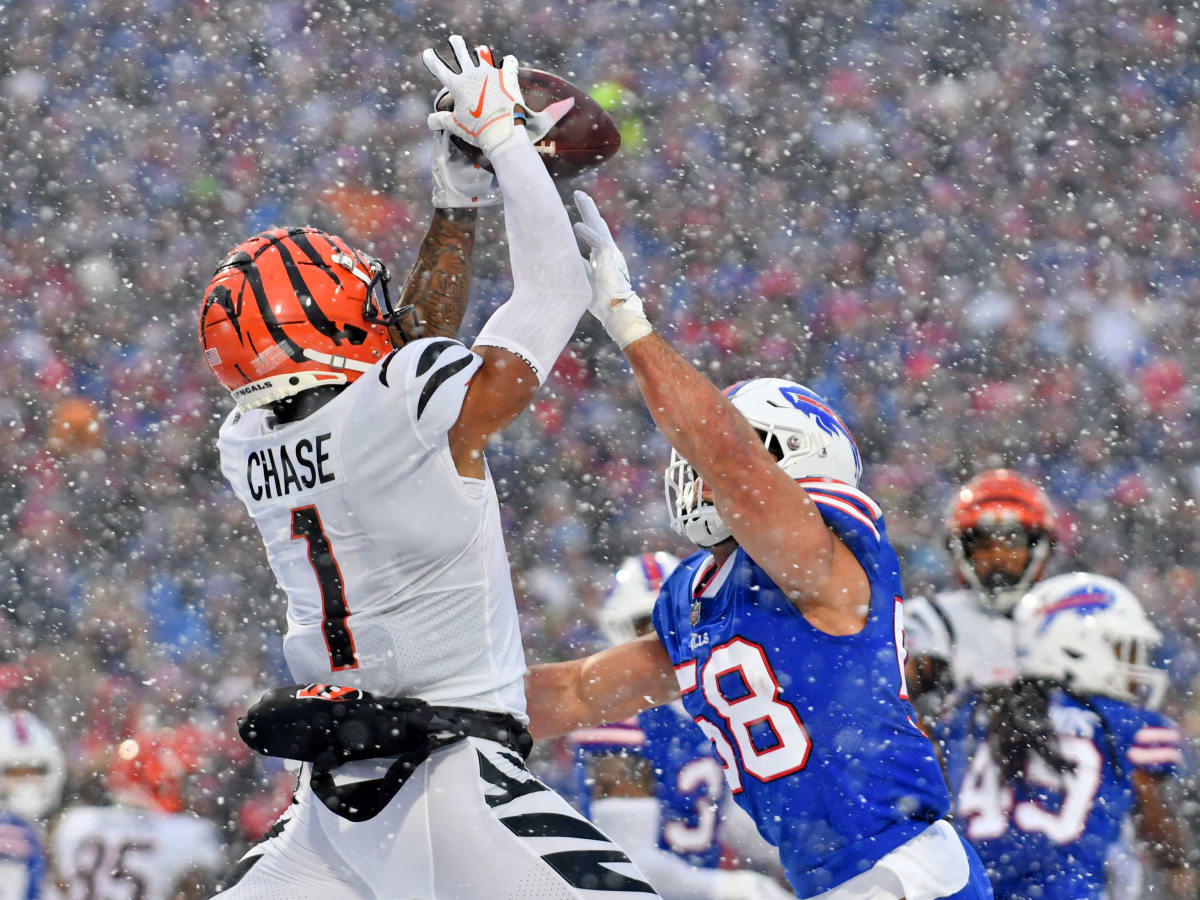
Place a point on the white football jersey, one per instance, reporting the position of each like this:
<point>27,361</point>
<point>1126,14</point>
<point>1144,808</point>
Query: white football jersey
<point>394,564</point>
<point>121,851</point>
<point>979,645</point>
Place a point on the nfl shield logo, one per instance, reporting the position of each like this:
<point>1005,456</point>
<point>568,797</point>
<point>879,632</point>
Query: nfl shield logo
<point>694,618</point>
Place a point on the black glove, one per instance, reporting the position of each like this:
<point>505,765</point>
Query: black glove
<point>328,725</point>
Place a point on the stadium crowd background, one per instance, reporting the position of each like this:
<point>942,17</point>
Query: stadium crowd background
<point>972,225</point>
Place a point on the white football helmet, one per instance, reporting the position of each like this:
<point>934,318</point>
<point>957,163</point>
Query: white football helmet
<point>32,767</point>
<point>632,593</point>
<point>798,427</point>
<point>1090,633</point>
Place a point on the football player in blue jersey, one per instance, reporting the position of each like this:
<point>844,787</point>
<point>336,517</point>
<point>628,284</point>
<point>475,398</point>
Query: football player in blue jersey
<point>653,782</point>
<point>32,775</point>
<point>784,634</point>
<point>22,859</point>
<point>1043,809</point>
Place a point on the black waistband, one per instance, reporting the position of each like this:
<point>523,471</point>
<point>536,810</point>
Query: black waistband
<point>362,800</point>
<point>491,726</point>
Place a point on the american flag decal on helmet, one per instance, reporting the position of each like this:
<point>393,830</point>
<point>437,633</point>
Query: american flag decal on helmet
<point>212,357</point>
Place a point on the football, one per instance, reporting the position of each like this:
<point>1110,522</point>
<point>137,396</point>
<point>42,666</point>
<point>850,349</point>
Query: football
<point>583,139</point>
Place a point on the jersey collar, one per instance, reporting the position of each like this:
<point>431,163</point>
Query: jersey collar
<point>709,577</point>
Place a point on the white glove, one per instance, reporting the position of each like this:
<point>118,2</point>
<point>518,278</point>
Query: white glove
<point>742,884</point>
<point>484,97</point>
<point>458,183</point>
<point>538,124</point>
<point>614,303</point>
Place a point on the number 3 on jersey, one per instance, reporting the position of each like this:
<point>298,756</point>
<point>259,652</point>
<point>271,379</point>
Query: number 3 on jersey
<point>681,837</point>
<point>737,682</point>
<point>306,524</point>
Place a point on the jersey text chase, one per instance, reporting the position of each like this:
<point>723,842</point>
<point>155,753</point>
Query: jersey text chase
<point>289,468</point>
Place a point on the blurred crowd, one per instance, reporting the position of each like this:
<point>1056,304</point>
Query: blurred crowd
<point>971,224</point>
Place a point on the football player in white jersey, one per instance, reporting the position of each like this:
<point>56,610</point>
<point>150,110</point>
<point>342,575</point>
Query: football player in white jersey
<point>32,774</point>
<point>653,782</point>
<point>358,452</point>
<point>1044,810</point>
<point>1001,532</point>
<point>146,844</point>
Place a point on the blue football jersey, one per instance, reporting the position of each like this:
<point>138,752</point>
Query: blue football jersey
<point>22,859</point>
<point>1049,832</point>
<point>815,731</point>
<point>688,778</point>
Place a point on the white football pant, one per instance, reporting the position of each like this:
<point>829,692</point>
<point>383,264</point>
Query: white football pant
<point>471,823</point>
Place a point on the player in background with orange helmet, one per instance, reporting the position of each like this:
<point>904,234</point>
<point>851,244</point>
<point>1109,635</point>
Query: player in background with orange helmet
<point>1001,530</point>
<point>1045,810</point>
<point>146,843</point>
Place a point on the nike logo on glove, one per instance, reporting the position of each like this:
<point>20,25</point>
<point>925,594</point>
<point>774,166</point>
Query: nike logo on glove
<point>479,106</point>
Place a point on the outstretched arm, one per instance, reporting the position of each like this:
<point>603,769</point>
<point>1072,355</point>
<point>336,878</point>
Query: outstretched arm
<point>523,338</point>
<point>550,285</point>
<point>440,281</point>
<point>608,686</point>
<point>770,515</point>
<point>521,341</point>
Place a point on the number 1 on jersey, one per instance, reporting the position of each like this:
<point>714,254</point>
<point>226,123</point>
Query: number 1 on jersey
<point>306,524</point>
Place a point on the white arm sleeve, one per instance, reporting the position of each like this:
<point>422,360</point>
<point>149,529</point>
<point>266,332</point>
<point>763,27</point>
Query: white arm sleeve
<point>633,822</point>
<point>926,630</point>
<point>550,285</point>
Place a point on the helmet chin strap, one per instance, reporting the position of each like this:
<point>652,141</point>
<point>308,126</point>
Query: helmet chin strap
<point>337,362</point>
<point>1003,598</point>
<point>707,531</point>
<point>260,393</point>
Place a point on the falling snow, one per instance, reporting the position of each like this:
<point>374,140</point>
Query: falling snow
<point>972,226</point>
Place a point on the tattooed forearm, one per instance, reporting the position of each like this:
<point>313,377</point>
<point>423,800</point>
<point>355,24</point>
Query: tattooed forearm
<point>440,281</point>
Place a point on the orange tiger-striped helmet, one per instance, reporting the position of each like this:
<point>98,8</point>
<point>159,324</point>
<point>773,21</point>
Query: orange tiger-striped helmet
<point>292,309</point>
<point>150,769</point>
<point>1001,502</point>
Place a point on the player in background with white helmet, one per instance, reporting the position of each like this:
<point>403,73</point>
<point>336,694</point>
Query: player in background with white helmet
<point>146,843</point>
<point>358,450</point>
<point>1043,809</point>
<point>32,775</point>
<point>653,783</point>
<point>783,634</point>
<point>1000,531</point>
